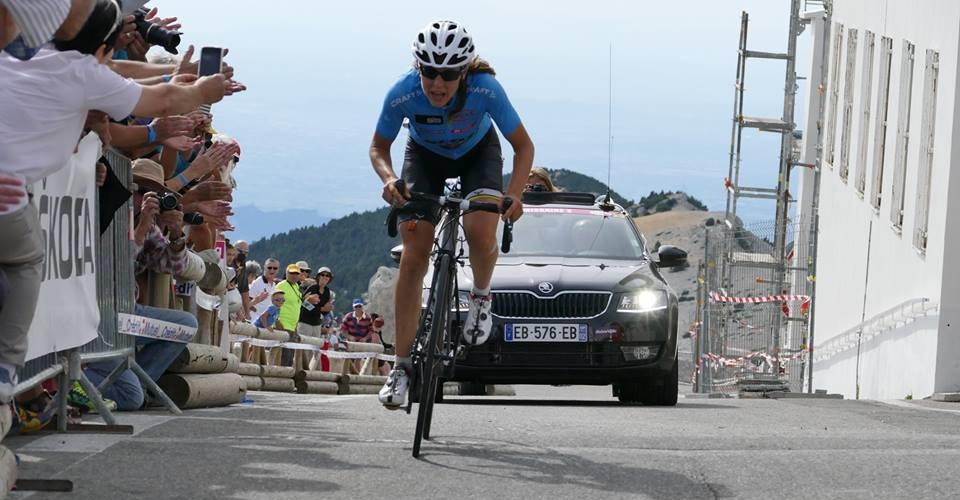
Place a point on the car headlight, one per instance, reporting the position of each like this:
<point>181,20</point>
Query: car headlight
<point>643,301</point>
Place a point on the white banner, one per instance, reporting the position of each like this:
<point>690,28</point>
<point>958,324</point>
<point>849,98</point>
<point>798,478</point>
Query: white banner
<point>131,324</point>
<point>67,312</point>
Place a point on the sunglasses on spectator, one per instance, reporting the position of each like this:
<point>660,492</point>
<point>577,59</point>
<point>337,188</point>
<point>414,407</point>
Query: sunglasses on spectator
<point>272,268</point>
<point>281,299</point>
<point>448,75</point>
<point>328,275</point>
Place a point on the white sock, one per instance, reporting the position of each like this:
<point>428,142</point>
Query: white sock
<point>481,292</point>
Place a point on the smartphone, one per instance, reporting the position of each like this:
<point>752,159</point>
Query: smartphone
<point>211,61</point>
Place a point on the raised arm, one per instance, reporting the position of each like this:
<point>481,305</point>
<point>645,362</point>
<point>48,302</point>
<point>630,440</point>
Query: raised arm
<point>179,98</point>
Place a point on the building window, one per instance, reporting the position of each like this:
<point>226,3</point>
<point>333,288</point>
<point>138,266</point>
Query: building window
<point>848,103</point>
<point>931,76</point>
<point>834,94</point>
<point>883,111</point>
<point>866,85</point>
<point>903,134</point>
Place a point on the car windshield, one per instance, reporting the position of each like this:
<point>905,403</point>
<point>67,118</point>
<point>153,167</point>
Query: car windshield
<point>574,232</point>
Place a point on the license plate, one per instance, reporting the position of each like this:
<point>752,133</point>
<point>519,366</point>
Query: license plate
<point>544,332</point>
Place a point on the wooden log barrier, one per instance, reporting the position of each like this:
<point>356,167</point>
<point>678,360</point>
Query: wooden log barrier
<point>248,330</point>
<point>233,364</point>
<point>199,358</point>
<point>8,470</point>
<point>203,390</point>
<point>317,387</point>
<point>363,347</point>
<point>377,380</point>
<point>277,384</point>
<point>254,382</point>
<point>277,371</point>
<point>317,375</point>
<point>249,369</point>
<point>362,389</point>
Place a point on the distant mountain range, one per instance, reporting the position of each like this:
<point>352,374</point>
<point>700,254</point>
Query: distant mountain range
<point>354,246</point>
<point>254,224</point>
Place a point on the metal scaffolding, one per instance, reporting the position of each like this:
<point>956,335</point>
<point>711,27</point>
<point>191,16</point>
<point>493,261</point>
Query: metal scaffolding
<point>757,282</point>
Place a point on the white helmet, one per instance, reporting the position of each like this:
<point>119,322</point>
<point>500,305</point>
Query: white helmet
<point>444,44</point>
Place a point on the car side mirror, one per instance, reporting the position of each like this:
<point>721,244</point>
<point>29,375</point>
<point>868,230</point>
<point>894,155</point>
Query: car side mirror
<point>671,256</point>
<point>396,252</point>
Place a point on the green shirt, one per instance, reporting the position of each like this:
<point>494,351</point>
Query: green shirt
<point>290,312</point>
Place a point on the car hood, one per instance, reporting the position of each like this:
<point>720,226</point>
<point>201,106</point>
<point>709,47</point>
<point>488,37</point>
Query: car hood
<point>563,273</point>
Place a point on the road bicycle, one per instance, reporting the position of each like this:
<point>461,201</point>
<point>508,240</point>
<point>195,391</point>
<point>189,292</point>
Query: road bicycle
<point>437,342</point>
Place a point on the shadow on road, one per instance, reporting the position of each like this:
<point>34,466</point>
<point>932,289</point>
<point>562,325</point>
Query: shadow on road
<point>514,461</point>
<point>562,402</point>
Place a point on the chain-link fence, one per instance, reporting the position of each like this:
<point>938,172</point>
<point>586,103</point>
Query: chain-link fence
<point>753,314</point>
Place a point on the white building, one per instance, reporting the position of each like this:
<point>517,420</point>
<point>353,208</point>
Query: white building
<point>889,202</point>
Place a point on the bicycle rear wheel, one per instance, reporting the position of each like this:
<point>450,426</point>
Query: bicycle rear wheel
<point>432,359</point>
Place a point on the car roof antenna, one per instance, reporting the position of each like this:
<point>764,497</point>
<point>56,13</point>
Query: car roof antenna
<point>607,203</point>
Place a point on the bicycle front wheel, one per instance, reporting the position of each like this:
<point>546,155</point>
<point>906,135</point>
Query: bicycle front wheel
<point>430,367</point>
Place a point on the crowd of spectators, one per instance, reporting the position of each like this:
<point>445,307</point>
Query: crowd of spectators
<point>106,71</point>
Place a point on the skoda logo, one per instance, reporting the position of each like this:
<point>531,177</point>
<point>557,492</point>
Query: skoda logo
<point>545,287</point>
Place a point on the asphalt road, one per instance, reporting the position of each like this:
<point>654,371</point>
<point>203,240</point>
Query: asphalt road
<point>566,442</point>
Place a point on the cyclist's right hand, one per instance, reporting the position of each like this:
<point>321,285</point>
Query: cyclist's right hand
<point>395,192</point>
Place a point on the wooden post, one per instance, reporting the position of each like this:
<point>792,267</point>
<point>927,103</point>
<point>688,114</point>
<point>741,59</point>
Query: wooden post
<point>203,390</point>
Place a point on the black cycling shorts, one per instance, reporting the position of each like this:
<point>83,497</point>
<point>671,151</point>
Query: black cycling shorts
<point>480,171</point>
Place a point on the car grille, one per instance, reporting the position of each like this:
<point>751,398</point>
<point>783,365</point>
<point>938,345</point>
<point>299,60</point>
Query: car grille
<point>565,305</point>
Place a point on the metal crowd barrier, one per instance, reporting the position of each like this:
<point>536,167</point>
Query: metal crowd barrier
<point>115,294</point>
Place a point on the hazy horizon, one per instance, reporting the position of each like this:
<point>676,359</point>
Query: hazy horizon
<point>317,79</point>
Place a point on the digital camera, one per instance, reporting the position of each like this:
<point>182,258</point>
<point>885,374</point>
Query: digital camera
<point>155,34</point>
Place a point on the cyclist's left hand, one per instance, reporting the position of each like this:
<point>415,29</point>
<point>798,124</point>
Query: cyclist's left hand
<point>516,207</point>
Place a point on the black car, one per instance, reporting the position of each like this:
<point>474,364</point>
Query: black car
<point>579,300</point>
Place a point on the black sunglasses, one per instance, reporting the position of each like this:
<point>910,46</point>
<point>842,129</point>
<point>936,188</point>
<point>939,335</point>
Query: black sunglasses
<point>448,75</point>
<point>272,268</point>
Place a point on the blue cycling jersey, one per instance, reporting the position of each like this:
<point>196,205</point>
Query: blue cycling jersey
<point>433,129</point>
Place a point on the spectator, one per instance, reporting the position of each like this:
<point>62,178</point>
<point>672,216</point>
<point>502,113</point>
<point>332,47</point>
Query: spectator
<point>161,248</point>
<point>306,277</point>
<point>316,296</point>
<point>290,312</point>
<point>43,108</point>
<point>357,326</point>
<point>231,254</point>
<point>327,328</point>
<point>539,180</point>
<point>263,287</point>
<point>271,316</point>
<point>243,284</point>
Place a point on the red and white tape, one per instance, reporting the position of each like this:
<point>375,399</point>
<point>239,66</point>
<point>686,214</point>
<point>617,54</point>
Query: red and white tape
<point>716,297</point>
<point>311,347</point>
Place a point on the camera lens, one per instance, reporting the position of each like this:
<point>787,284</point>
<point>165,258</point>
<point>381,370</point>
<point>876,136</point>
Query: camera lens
<point>168,202</point>
<point>155,34</point>
<point>193,218</point>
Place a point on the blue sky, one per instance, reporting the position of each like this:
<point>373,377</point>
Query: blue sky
<point>318,71</point>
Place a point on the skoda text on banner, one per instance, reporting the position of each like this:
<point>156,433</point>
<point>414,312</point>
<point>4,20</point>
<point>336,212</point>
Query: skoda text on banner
<point>131,324</point>
<point>67,312</point>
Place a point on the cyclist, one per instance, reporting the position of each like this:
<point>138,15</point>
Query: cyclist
<point>450,99</point>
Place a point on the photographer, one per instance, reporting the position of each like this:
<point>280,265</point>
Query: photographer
<point>539,181</point>
<point>161,248</point>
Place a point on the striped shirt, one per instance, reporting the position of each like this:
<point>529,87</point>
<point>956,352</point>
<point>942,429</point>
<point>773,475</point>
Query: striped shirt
<point>38,20</point>
<point>357,327</point>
